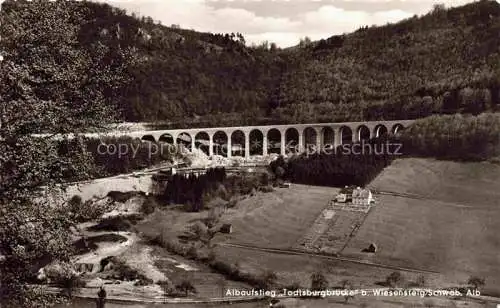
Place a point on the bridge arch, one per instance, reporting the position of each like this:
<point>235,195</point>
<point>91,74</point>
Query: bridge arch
<point>220,143</point>
<point>184,140</point>
<point>166,138</point>
<point>238,143</point>
<point>256,142</point>
<point>363,133</point>
<point>345,133</point>
<point>310,139</point>
<point>202,142</point>
<point>380,131</point>
<point>397,129</point>
<point>327,138</point>
<point>274,141</point>
<point>149,138</point>
<point>291,140</point>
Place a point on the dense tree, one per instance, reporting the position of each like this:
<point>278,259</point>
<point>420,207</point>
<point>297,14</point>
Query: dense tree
<point>50,82</point>
<point>344,166</point>
<point>458,137</point>
<point>118,155</point>
<point>395,279</point>
<point>186,287</point>
<point>191,189</point>
<point>476,282</point>
<point>318,282</point>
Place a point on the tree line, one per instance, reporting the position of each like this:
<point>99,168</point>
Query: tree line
<point>119,155</point>
<point>452,137</point>
<point>192,190</point>
<point>455,137</point>
<point>339,168</point>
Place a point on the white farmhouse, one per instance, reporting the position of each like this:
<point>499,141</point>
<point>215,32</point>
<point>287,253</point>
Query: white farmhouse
<point>362,196</point>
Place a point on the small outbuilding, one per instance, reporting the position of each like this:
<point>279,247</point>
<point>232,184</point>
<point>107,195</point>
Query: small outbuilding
<point>226,228</point>
<point>371,249</point>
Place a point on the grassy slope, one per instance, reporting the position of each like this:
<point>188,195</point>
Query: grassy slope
<point>454,231</point>
<point>298,268</point>
<point>462,183</point>
<point>172,223</point>
<point>276,219</point>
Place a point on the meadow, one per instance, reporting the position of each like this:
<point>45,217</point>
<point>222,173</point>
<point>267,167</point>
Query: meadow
<point>449,224</point>
<point>277,219</point>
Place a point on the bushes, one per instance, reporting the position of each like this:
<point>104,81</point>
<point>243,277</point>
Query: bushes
<point>124,272</point>
<point>268,280</point>
<point>117,223</point>
<point>395,279</point>
<point>171,245</point>
<point>149,205</point>
<point>121,197</point>
<point>318,281</point>
<point>186,287</point>
<point>192,253</point>
<point>232,271</point>
<point>88,210</point>
<point>420,282</point>
<point>232,203</point>
<point>476,282</point>
<point>293,287</point>
<point>212,218</point>
<point>63,275</point>
<point>166,287</point>
<point>82,246</point>
<point>198,231</point>
<point>75,202</point>
<point>266,189</point>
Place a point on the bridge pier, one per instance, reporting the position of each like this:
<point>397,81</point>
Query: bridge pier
<point>319,134</point>
<point>247,145</point>
<point>301,141</point>
<point>210,144</point>
<point>264,143</point>
<point>283,143</point>
<point>229,146</point>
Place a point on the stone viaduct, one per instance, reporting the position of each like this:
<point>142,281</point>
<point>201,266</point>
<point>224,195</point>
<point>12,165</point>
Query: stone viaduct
<point>263,140</point>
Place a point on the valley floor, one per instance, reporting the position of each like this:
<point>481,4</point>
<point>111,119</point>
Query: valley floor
<point>431,215</point>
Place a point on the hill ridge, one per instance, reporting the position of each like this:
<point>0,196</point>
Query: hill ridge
<point>443,62</point>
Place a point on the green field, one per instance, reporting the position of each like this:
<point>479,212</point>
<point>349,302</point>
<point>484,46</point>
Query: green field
<point>454,230</point>
<point>476,184</point>
<point>298,268</point>
<point>277,219</point>
<point>449,224</point>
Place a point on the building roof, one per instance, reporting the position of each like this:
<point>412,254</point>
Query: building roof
<point>347,190</point>
<point>361,193</point>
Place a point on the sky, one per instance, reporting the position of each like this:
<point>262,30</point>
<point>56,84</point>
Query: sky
<point>283,22</point>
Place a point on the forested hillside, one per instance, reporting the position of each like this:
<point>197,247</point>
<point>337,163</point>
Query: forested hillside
<point>176,74</point>
<point>444,62</point>
<point>447,61</point>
